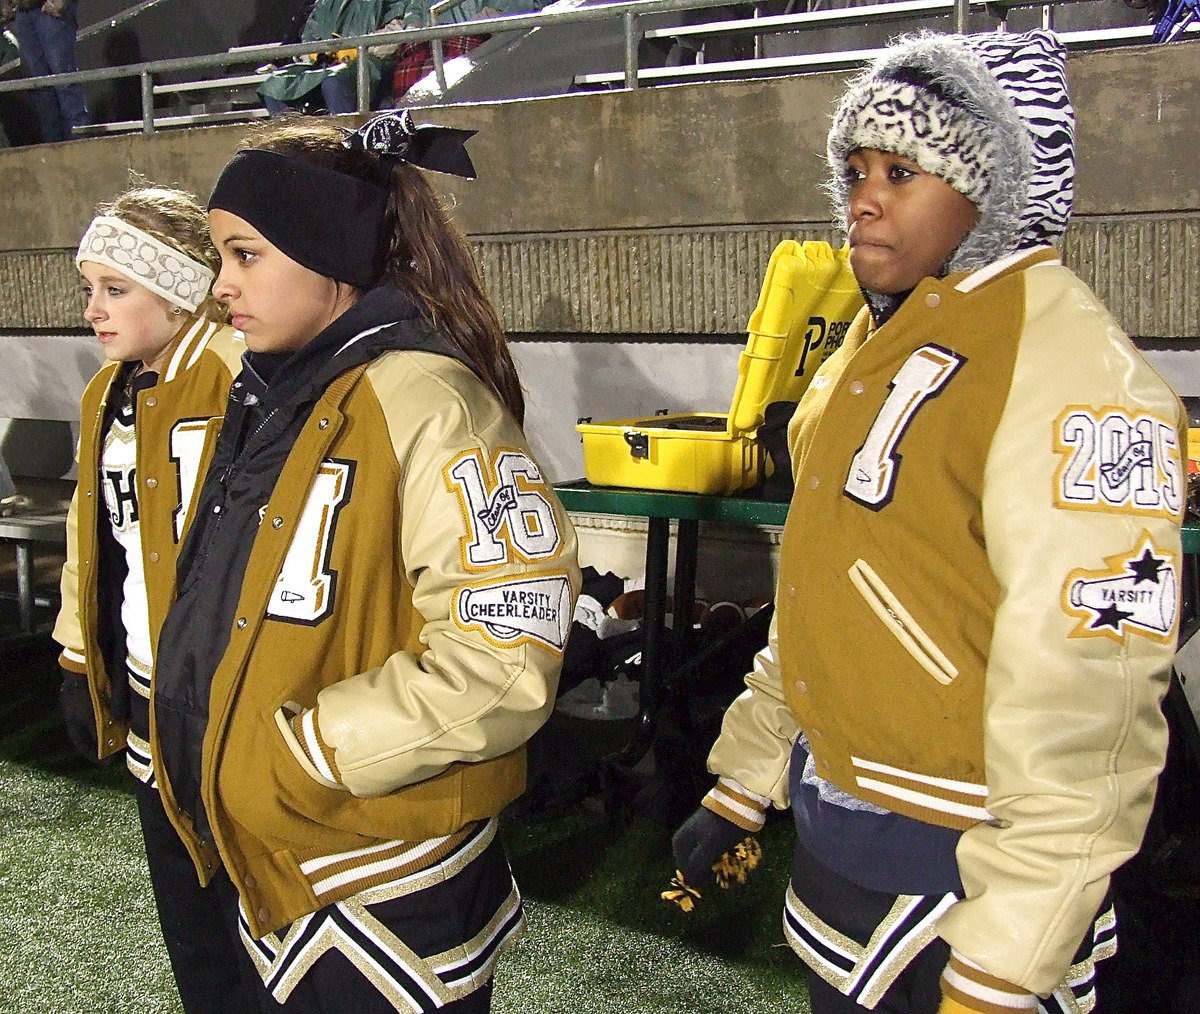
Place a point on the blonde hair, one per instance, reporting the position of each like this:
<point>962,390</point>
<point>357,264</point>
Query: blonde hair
<point>174,217</point>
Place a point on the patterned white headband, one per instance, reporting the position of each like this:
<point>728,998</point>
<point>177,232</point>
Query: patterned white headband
<point>148,261</point>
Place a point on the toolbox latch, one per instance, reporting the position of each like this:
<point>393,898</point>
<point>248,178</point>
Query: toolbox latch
<point>639,444</point>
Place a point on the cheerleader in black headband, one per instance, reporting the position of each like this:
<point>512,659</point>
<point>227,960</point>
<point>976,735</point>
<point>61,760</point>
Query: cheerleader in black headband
<point>375,592</point>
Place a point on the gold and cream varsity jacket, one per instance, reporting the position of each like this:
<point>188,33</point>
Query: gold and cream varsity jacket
<point>175,419</point>
<point>977,599</point>
<point>397,638</point>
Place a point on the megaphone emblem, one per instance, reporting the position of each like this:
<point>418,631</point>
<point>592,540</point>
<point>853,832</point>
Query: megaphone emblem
<point>537,609</point>
<point>1138,593</point>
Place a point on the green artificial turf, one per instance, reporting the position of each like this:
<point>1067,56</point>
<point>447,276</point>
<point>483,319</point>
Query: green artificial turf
<point>78,933</point>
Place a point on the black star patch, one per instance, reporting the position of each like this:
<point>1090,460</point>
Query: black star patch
<point>1110,616</point>
<point>1147,568</point>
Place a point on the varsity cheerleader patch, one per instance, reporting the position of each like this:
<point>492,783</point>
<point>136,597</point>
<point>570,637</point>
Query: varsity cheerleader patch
<point>1116,462</point>
<point>517,611</point>
<point>1137,593</point>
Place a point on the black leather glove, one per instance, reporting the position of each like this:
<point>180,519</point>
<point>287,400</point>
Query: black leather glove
<point>75,705</point>
<point>709,849</point>
<point>702,839</point>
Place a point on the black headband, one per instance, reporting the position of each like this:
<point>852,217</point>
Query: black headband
<point>331,222</point>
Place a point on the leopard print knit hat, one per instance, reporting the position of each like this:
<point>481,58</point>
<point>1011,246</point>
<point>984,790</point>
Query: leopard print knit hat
<point>987,113</point>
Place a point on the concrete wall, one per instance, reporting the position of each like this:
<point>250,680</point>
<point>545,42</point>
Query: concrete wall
<point>654,211</point>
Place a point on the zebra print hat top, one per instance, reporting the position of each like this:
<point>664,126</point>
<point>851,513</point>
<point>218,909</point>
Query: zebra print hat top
<point>987,113</point>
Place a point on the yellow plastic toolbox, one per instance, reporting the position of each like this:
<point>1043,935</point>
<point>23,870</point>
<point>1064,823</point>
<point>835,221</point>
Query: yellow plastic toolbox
<point>808,299</point>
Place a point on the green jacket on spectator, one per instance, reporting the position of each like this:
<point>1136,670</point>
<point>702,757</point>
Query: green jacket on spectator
<point>470,10</point>
<point>331,19</point>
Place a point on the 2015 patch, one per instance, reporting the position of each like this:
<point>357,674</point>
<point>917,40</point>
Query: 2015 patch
<point>518,611</point>
<point>1117,462</point>
<point>1137,593</point>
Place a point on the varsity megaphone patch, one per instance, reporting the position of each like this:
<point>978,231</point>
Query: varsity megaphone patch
<point>1137,593</point>
<point>512,612</point>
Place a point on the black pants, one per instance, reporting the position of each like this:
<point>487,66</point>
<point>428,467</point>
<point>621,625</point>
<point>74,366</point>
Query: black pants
<point>856,912</point>
<point>194,925</point>
<point>212,969</point>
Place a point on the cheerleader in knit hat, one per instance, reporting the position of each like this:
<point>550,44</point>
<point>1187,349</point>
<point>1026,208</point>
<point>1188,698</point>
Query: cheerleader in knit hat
<point>959,700</point>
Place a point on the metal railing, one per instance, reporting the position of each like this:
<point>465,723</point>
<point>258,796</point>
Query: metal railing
<point>631,13</point>
<point>439,57</point>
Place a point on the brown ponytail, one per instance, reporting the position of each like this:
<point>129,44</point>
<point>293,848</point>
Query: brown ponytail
<point>428,257</point>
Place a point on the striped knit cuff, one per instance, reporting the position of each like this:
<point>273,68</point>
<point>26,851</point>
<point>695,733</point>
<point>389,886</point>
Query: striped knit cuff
<point>73,661</point>
<point>966,985</point>
<point>318,753</point>
<point>737,804</point>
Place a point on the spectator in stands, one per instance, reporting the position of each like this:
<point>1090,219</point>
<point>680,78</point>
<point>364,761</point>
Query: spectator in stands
<point>45,32</point>
<point>328,81</point>
<point>960,697</point>
<point>415,60</point>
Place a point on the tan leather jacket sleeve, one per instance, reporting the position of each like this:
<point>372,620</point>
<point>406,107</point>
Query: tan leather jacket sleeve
<point>1085,545</point>
<point>68,630</point>
<point>755,744</point>
<point>491,557</point>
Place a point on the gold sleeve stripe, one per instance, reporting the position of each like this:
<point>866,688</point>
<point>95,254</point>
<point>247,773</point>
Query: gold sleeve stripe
<point>737,804</point>
<point>971,986</point>
<point>73,660</point>
<point>317,749</point>
<point>299,729</point>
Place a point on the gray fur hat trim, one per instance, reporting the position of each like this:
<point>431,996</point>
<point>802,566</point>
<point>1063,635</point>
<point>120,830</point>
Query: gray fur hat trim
<point>980,124</point>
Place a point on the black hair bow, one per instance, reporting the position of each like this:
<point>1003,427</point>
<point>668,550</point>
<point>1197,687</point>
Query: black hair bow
<point>393,136</point>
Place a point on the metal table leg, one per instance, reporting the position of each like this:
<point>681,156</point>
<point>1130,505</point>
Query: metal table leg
<point>654,618</point>
<point>687,542</point>
<point>24,586</point>
<point>654,614</point>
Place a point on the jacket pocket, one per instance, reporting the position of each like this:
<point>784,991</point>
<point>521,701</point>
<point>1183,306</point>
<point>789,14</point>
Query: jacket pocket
<point>899,621</point>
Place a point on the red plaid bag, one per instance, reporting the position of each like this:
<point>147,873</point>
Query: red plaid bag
<point>414,60</point>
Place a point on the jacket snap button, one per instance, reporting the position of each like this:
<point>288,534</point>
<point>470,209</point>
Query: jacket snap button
<point>813,482</point>
<point>152,482</point>
<point>856,387</point>
<point>241,622</point>
<point>112,742</point>
<point>151,402</point>
<point>933,300</point>
<point>249,881</point>
<point>154,558</point>
<point>323,424</point>
<point>277,522</point>
<point>801,687</point>
<point>89,492</point>
<point>263,915</point>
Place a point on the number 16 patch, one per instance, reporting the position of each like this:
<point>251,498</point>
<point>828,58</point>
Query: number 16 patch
<point>1137,593</point>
